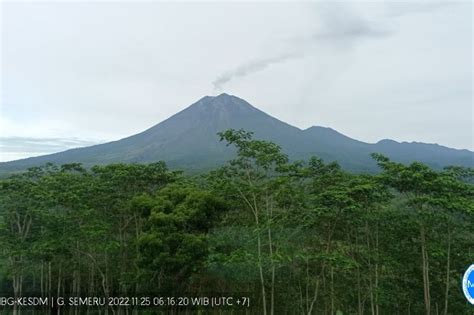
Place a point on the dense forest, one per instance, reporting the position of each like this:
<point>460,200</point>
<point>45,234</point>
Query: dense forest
<point>301,237</point>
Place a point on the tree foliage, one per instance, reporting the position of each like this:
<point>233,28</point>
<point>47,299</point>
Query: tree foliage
<point>299,237</point>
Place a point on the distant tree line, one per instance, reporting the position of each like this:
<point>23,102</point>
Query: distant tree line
<point>297,237</point>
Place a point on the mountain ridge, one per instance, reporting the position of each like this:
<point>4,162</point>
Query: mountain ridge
<point>188,140</point>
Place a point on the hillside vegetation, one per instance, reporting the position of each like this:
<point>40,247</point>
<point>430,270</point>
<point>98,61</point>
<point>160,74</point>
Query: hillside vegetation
<point>296,237</point>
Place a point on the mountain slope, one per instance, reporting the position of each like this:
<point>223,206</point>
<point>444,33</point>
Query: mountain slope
<point>188,140</point>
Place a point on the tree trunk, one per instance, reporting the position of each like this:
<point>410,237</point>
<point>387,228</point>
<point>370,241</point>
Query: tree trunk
<point>59,281</point>
<point>260,269</point>
<point>377,270</point>
<point>42,279</point>
<point>425,268</point>
<point>448,261</point>
<point>50,279</point>
<point>270,246</point>
<point>332,290</point>
<point>369,262</point>
<point>359,289</point>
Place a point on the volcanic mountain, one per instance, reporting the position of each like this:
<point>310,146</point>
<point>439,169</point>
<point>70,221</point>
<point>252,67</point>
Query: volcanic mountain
<point>188,140</point>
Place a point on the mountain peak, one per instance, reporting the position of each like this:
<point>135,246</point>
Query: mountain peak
<point>224,102</point>
<point>387,142</point>
<point>215,97</point>
<point>224,98</point>
<point>224,95</point>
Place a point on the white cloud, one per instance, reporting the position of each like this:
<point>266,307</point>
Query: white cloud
<point>103,71</point>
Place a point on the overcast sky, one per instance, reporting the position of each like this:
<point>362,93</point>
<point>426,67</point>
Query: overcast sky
<point>73,74</point>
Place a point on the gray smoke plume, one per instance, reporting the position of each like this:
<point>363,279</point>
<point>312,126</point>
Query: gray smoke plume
<point>250,68</point>
<point>337,25</point>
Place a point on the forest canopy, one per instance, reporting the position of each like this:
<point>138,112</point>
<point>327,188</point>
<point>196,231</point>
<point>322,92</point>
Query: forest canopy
<point>302,237</point>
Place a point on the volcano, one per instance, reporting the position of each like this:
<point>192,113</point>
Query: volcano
<point>188,140</point>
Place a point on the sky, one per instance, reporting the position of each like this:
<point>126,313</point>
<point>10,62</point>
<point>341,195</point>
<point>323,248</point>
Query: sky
<point>78,73</point>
